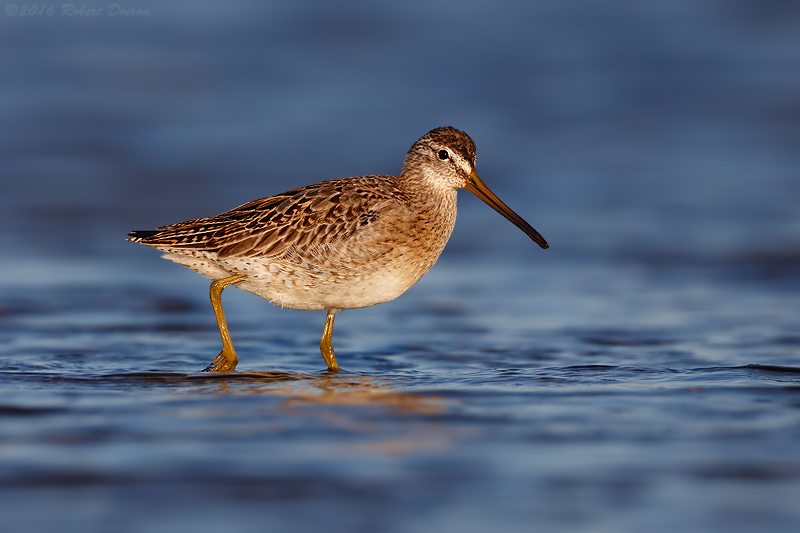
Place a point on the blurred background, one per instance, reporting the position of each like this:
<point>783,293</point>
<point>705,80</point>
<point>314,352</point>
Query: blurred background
<point>654,144</point>
<point>666,131</point>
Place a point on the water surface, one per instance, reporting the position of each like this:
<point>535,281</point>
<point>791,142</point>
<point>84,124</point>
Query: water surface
<point>643,374</point>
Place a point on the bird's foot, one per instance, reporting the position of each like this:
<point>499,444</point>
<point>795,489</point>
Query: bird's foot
<point>223,363</point>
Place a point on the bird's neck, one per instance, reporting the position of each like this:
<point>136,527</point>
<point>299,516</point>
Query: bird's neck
<point>434,203</point>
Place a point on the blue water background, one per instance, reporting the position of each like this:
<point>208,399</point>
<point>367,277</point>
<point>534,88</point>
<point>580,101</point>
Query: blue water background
<point>643,374</point>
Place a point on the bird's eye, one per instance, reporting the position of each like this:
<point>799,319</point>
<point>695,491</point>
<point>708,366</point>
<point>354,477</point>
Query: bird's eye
<point>443,154</point>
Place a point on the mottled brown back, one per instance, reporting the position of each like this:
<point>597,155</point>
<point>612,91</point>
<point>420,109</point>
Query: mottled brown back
<point>313,215</point>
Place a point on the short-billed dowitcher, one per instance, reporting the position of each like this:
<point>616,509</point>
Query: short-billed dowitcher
<point>338,244</point>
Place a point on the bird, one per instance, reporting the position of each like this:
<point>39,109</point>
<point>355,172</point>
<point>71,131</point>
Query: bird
<point>337,244</point>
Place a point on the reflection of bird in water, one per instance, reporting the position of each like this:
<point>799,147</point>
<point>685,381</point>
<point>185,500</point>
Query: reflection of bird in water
<point>299,391</point>
<point>338,244</point>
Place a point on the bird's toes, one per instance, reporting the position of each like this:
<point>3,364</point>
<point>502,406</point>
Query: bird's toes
<point>222,363</point>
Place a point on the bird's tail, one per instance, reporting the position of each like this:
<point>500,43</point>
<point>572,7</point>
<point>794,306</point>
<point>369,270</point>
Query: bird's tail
<point>137,236</point>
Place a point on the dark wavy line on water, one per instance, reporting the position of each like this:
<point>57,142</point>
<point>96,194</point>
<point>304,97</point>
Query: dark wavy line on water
<point>774,368</point>
<point>180,377</point>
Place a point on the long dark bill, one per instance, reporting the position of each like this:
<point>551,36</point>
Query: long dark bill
<point>479,189</point>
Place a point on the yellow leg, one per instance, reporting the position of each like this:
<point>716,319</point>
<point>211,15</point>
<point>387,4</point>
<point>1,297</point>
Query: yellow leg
<point>226,360</point>
<point>325,346</point>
